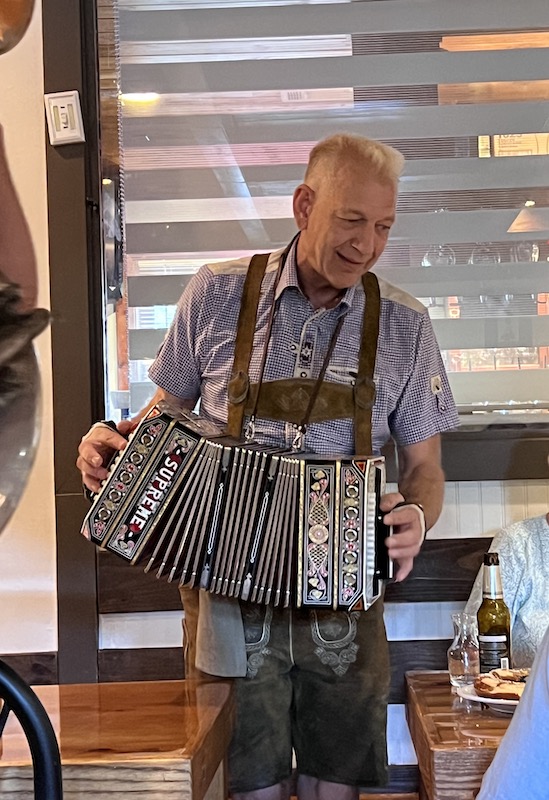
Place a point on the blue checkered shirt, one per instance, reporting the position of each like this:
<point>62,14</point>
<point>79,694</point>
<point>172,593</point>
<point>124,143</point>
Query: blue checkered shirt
<point>413,398</point>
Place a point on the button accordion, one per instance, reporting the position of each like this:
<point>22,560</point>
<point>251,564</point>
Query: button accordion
<point>242,520</point>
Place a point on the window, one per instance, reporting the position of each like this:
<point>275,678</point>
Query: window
<point>209,110</point>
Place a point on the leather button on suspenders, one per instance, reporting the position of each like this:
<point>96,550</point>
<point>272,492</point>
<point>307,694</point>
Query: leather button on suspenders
<point>356,402</point>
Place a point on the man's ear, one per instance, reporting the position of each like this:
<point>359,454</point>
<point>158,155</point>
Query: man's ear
<point>303,204</point>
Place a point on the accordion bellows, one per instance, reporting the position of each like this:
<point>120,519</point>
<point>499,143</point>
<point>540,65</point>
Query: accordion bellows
<point>242,520</point>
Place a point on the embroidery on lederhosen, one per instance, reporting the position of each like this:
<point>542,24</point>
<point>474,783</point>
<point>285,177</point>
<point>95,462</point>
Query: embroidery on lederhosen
<point>256,646</point>
<point>326,649</point>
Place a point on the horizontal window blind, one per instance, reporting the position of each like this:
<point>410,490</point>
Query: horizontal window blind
<point>210,110</point>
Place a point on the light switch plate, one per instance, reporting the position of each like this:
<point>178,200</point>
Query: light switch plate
<point>64,118</point>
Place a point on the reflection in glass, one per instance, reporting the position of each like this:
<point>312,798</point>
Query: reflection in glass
<point>525,251</point>
<point>439,255</point>
<point>207,137</point>
<point>484,253</point>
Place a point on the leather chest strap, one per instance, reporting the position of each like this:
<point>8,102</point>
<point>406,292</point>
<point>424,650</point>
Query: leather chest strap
<point>365,389</point>
<point>239,383</point>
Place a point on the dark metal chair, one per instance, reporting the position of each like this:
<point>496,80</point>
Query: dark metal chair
<point>19,422</point>
<point>20,699</point>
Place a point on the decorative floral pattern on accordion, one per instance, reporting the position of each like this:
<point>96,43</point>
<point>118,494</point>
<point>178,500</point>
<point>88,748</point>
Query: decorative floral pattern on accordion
<point>323,520</point>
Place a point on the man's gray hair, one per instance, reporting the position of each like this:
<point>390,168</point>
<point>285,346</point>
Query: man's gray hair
<point>330,155</point>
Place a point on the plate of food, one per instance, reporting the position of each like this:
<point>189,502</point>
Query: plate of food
<point>501,689</point>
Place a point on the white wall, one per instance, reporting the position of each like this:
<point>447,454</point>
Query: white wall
<point>28,605</point>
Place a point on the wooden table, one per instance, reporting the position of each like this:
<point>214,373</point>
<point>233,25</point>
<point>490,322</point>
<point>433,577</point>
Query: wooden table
<point>162,740</point>
<point>455,739</point>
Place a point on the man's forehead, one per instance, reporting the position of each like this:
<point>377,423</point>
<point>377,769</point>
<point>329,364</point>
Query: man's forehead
<point>367,206</point>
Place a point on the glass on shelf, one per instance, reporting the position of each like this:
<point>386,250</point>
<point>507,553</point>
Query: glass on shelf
<point>484,253</point>
<point>524,251</point>
<point>439,255</point>
<point>463,653</point>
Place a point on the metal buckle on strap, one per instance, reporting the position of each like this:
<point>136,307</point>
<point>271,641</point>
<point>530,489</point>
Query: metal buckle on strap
<point>249,431</point>
<point>299,439</point>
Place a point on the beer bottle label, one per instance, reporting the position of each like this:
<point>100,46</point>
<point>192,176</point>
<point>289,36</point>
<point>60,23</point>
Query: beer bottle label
<point>494,652</point>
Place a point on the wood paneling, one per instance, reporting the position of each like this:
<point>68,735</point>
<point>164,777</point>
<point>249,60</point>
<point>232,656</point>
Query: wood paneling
<point>444,571</point>
<point>145,664</point>
<point>37,669</point>
<point>124,588</point>
<point>166,663</point>
<point>413,654</point>
<point>403,779</point>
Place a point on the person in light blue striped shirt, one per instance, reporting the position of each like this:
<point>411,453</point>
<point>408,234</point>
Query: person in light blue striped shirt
<point>519,770</point>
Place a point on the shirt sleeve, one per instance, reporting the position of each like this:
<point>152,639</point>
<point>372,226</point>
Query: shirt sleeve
<point>176,367</point>
<point>510,546</point>
<point>426,406</point>
<point>519,768</point>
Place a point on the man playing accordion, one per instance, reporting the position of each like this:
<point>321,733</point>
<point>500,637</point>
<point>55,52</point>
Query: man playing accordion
<point>337,360</point>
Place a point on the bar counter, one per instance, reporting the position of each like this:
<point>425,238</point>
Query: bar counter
<point>455,739</point>
<point>158,740</point>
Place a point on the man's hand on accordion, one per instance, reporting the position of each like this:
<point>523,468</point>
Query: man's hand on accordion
<point>408,521</point>
<point>97,448</point>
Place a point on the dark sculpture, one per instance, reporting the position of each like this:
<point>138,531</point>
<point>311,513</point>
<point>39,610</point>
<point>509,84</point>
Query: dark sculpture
<point>15,16</point>
<point>20,322</point>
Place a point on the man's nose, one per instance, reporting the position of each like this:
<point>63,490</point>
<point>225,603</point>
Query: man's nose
<point>364,240</point>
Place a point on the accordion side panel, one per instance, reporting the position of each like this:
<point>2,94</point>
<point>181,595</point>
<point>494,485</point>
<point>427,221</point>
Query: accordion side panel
<point>134,526</point>
<point>371,584</point>
<point>319,490</point>
<point>352,517</point>
<point>124,477</point>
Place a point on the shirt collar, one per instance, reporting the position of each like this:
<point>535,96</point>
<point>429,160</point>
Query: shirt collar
<point>289,279</point>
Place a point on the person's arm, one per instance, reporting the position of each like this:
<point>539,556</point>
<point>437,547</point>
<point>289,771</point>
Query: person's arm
<point>176,367</point>
<point>420,481</point>
<point>101,441</point>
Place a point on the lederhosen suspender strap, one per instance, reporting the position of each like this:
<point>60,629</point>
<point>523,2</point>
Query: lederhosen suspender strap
<point>239,383</point>
<point>359,399</point>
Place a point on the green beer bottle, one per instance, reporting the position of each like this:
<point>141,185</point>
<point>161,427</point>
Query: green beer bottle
<point>493,618</point>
